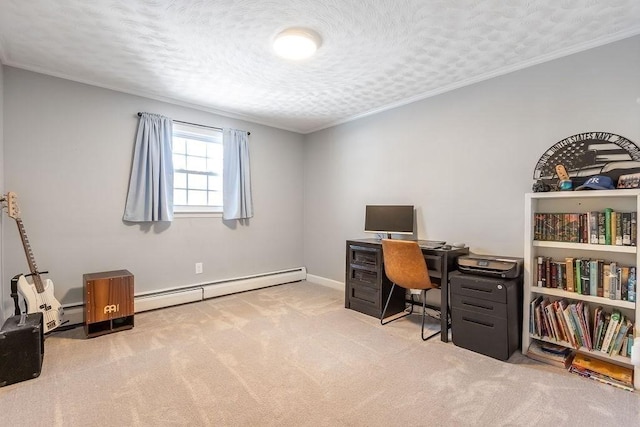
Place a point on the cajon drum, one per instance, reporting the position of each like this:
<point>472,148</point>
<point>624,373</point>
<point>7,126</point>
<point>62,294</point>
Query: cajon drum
<point>108,302</point>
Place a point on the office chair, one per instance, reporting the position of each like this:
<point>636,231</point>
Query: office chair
<point>405,266</point>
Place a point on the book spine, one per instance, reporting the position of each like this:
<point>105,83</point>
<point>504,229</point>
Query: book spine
<point>586,326</point>
<point>600,288</point>
<point>574,233</point>
<point>585,277</point>
<point>573,337</point>
<point>597,326</point>
<point>593,227</point>
<point>618,228</point>
<point>605,327</point>
<point>547,272</point>
<point>624,283</point>
<point>607,225</point>
<point>593,277</point>
<point>606,280</point>
<point>634,228</point>
<point>613,278</point>
<point>626,228</point>
<point>602,238</point>
<point>578,270</point>
<point>540,271</point>
<point>631,284</point>
<point>573,311</point>
<point>570,275</point>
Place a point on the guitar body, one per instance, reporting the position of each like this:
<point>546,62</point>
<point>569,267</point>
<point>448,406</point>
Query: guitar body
<point>44,302</point>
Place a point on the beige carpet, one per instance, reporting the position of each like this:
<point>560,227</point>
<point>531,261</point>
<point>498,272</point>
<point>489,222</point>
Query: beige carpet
<point>292,355</point>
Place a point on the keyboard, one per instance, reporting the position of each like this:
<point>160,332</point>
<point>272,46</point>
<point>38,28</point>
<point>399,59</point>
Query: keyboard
<point>431,244</point>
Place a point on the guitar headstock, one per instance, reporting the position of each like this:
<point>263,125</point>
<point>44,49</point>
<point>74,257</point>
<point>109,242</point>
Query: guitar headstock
<point>11,203</point>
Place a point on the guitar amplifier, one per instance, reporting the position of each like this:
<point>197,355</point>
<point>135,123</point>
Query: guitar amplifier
<point>21,348</point>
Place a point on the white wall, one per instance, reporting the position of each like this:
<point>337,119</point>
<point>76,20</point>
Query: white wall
<point>465,159</point>
<point>3,220</point>
<point>68,151</point>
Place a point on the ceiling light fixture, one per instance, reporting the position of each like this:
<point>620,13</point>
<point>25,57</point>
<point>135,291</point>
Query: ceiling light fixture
<point>296,43</point>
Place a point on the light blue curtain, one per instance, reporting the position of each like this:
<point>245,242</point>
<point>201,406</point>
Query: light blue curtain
<point>236,184</point>
<point>150,196</point>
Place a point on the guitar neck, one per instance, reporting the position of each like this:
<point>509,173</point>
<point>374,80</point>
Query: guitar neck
<point>33,268</point>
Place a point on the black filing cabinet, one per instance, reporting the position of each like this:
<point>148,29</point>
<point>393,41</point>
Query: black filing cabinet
<point>486,314</point>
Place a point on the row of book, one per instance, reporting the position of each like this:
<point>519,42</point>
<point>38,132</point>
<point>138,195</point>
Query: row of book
<point>596,227</point>
<point>581,364</point>
<point>595,277</point>
<point>560,320</point>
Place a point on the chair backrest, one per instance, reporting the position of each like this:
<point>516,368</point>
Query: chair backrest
<point>404,264</point>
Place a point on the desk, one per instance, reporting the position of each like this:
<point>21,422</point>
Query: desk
<point>367,286</point>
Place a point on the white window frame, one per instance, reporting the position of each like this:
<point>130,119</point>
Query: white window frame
<point>211,136</point>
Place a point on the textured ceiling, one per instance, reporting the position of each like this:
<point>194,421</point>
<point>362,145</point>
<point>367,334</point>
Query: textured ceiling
<point>377,54</point>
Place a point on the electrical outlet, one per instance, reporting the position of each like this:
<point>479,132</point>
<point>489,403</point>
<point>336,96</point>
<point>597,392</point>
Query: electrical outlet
<point>198,268</point>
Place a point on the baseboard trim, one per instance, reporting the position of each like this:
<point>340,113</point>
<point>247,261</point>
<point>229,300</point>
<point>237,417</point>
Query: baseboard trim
<point>146,303</point>
<point>74,314</point>
<point>251,283</point>
<point>325,282</point>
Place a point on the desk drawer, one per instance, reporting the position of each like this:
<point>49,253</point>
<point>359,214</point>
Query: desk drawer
<point>364,293</point>
<point>364,256</point>
<point>363,275</point>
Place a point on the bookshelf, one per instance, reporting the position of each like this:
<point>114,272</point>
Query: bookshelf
<point>578,202</point>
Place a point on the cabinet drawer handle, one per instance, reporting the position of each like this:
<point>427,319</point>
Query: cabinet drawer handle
<point>476,289</point>
<point>474,304</point>
<point>488,325</point>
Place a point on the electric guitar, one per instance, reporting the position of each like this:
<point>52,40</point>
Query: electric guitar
<point>38,294</point>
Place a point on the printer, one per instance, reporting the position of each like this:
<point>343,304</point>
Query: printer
<point>491,265</point>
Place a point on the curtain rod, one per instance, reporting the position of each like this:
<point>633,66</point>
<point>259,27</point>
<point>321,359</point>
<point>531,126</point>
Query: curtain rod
<point>195,124</point>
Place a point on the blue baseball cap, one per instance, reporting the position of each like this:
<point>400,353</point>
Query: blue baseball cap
<point>598,182</point>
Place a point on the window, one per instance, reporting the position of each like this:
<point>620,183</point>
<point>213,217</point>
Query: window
<point>197,167</point>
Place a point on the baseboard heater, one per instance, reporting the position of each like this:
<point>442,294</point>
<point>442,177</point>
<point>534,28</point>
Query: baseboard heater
<point>200,292</point>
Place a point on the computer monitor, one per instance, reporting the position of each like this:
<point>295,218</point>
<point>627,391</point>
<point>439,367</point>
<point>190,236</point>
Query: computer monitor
<point>389,219</point>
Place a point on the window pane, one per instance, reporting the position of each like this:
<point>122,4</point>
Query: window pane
<point>214,164</point>
<point>180,180</point>
<point>197,197</point>
<point>215,198</point>
<point>179,161</point>
<point>214,151</point>
<point>215,182</point>
<point>179,145</point>
<point>197,164</point>
<point>197,148</point>
<point>197,182</point>
<point>179,197</point>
